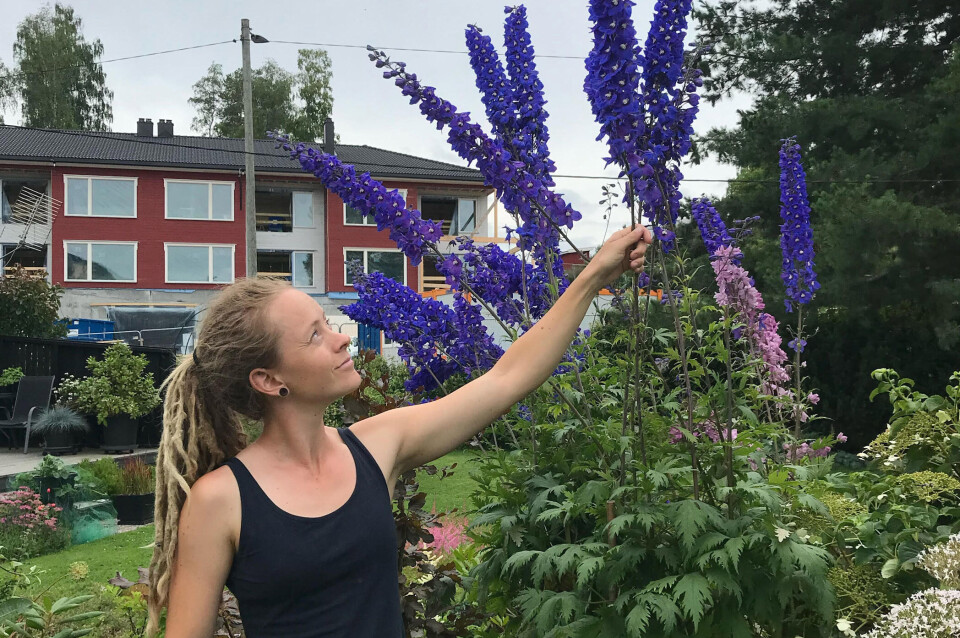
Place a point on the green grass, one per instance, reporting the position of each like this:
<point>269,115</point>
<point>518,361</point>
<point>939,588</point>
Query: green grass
<point>104,557</point>
<point>455,490</point>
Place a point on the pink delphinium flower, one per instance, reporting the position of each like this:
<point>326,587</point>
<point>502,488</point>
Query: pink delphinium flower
<point>842,438</point>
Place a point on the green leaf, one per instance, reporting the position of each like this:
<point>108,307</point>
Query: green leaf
<point>518,560</point>
<point>588,568</point>
<point>890,568</point>
<point>637,620</point>
<point>692,593</point>
<point>13,607</point>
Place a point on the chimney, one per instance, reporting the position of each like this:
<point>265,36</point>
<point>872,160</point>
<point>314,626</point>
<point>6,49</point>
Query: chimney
<point>165,128</point>
<point>144,127</point>
<point>329,138</point>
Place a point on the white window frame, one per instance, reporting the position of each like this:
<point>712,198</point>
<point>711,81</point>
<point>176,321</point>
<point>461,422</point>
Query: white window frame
<point>66,190</point>
<point>293,270</point>
<point>89,279</point>
<point>368,220</point>
<point>210,184</point>
<point>476,199</point>
<point>313,211</point>
<point>372,250</point>
<point>209,247</point>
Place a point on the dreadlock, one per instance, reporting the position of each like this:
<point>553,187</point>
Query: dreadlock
<point>205,396</point>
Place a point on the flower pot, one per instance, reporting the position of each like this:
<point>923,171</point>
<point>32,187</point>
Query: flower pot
<point>133,509</point>
<point>120,435</point>
<point>60,442</point>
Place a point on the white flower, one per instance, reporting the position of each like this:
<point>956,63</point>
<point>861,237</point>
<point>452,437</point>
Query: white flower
<point>846,627</point>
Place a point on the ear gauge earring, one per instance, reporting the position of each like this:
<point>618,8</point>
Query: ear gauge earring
<point>284,392</point>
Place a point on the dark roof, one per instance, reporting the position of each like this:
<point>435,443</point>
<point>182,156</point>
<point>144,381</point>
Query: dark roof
<point>44,145</point>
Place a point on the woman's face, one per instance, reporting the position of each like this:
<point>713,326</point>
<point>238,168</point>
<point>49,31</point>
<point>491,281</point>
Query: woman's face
<point>314,364</point>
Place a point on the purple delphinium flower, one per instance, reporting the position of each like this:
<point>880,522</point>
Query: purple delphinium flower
<point>712,229</point>
<point>370,197</point>
<point>436,340</point>
<point>521,192</point>
<point>647,124</point>
<point>531,139</point>
<point>495,90</point>
<point>796,235</point>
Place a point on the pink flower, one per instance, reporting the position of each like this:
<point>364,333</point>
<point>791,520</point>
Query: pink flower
<point>813,398</point>
<point>842,438</point>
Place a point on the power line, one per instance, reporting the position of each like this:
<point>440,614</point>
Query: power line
<point>121,137</point>
<point>127,57</point>
<point>364,47</point>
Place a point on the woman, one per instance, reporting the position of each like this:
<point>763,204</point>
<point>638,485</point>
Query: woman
<point>298,524</point>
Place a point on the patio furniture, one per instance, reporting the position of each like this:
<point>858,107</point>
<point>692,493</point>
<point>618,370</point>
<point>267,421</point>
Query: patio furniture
<point>33,397</point>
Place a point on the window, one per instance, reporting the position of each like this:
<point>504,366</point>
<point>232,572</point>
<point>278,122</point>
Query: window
<point>199,263</point>
<point>10,190</point>
<point>280,210</point>
<point>294,266</point>
<point>303,210</point>
<point>100,261</point>
<point>101,196</point>
<point>457,215</point>
<point>353,217</point>
<point>302,269</point>
<point>199,200</point>
<point>391,263</point>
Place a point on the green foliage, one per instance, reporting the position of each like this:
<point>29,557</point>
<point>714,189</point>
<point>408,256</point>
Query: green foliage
<point>868,89</point>
<point>105,475</point>
<point>48,617</point>
<point>295,103</point>
<point>57,76</point>
<point>924,431</point>
<point>10,376</point>
<point>30,306</point>
<point>117,385</point>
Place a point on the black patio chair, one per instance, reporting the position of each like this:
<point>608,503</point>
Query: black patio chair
<point>33,397</point>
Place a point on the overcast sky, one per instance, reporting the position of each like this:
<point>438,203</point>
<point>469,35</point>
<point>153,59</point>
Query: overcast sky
<point>367,109</point>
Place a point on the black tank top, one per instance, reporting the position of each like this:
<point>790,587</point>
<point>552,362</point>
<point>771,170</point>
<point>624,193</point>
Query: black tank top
<point>312,577</point>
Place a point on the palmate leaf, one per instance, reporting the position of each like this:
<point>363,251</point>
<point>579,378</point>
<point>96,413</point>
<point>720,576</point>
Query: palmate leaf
<point>556,609</point>
<point>691,518</point>
<point>518,560</point>
<point>637,621</point>
<point>692,593</point>
<point>587,569</point>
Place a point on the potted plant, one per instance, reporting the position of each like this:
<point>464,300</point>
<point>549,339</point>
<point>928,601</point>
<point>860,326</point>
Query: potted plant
<point>118,392</point>
<point>61,428</point>
<point>134,503</point>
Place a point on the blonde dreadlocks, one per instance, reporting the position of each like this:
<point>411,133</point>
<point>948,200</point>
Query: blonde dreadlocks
<point>204,398</point>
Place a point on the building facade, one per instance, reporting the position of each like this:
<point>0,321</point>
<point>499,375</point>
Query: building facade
<point>149,221</point>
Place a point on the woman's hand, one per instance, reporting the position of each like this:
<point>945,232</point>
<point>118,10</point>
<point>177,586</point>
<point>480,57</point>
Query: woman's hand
<point>625,250</point>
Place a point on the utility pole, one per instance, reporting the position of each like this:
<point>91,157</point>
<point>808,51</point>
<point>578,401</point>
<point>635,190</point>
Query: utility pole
<point>250,205</point>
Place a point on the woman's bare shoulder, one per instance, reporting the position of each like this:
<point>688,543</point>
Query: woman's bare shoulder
<point>215,499</point>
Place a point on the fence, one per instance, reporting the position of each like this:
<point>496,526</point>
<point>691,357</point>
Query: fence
<point>57,357</point>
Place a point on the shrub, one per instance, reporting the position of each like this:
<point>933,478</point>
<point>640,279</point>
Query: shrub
<point>105,474</point>
<point>117,385</point>
<point>28,527</point>
<point>10,376</point>
<point>30,306</point>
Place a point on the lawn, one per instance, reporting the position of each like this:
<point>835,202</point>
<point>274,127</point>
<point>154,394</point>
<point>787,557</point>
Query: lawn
<point>455,490</point>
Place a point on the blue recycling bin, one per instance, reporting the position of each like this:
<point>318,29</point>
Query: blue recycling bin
<point>90,330</point>
<point>368,338</point>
